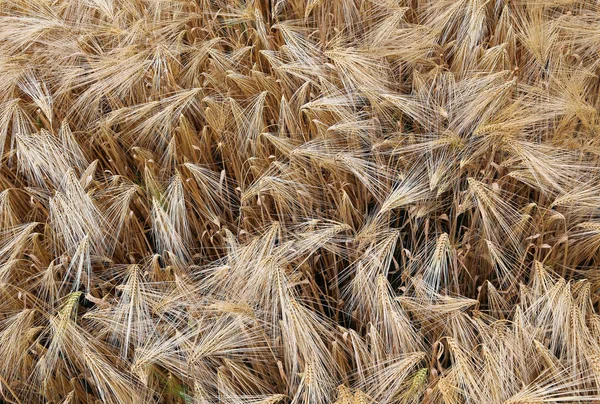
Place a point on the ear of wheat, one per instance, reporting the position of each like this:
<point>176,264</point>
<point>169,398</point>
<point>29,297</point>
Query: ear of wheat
<point>299,201</point>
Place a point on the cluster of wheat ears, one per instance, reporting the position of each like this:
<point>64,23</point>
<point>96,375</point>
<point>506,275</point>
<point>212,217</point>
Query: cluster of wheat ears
<point>299,201</point>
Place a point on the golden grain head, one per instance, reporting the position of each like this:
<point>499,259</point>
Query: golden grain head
<point>302,202</point>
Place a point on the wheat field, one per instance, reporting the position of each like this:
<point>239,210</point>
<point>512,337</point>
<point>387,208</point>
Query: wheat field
<point>299,201</point>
